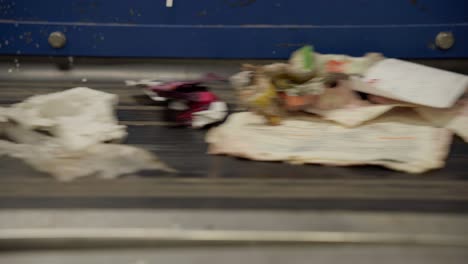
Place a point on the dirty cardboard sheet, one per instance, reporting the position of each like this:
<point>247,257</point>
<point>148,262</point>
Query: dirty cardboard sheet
<point>392,143</point>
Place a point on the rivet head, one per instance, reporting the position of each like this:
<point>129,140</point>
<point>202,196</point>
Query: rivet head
<point>445,40</point>
<point>57,40</point>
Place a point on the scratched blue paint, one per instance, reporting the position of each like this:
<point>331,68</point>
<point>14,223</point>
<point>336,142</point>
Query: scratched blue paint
<point>233,28</point>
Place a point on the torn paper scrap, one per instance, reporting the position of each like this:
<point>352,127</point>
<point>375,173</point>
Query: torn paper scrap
<point>78,117</point>
<point>414,83</point>
<point>102,160</point>
<point>352,117</point>
<point>455,119</point>
<point>404,147</point>
<point>215,113</point>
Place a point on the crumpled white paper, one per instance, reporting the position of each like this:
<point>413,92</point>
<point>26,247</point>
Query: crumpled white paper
<point>63,134</point>
<point>215,113</point>
<point>78,117</point>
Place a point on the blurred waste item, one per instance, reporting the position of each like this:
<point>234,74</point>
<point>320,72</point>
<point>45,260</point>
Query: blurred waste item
<point>189,102</point>
<point>68,134</point>
<point>77,118</point>
<point>366,110</point>
<point>320,83</point>
<point>308,79</point>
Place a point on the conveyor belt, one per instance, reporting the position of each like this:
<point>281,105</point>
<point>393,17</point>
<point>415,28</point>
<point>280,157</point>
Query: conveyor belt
<point>207,181</point>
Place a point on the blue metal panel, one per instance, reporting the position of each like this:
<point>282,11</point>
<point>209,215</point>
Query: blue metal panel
<point>240,12</point>
<point>232,28</point>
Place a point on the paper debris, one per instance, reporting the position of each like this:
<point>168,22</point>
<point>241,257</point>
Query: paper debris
<point>154,96</point>
<point>352,117</point>
<point>308,80</point>
<point>455,119</point>
<point>63,134</point>
<point>241,79</point>
<point>78,117</point>
<point>340,97</point>
<point>414,83</point>
<point>142,83</point>
<point>187,99</point>
<point>386,116</point>
<point>147,83</point>
<point>102,160</point>
<point>215,113</point>
<point>399,146</point>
